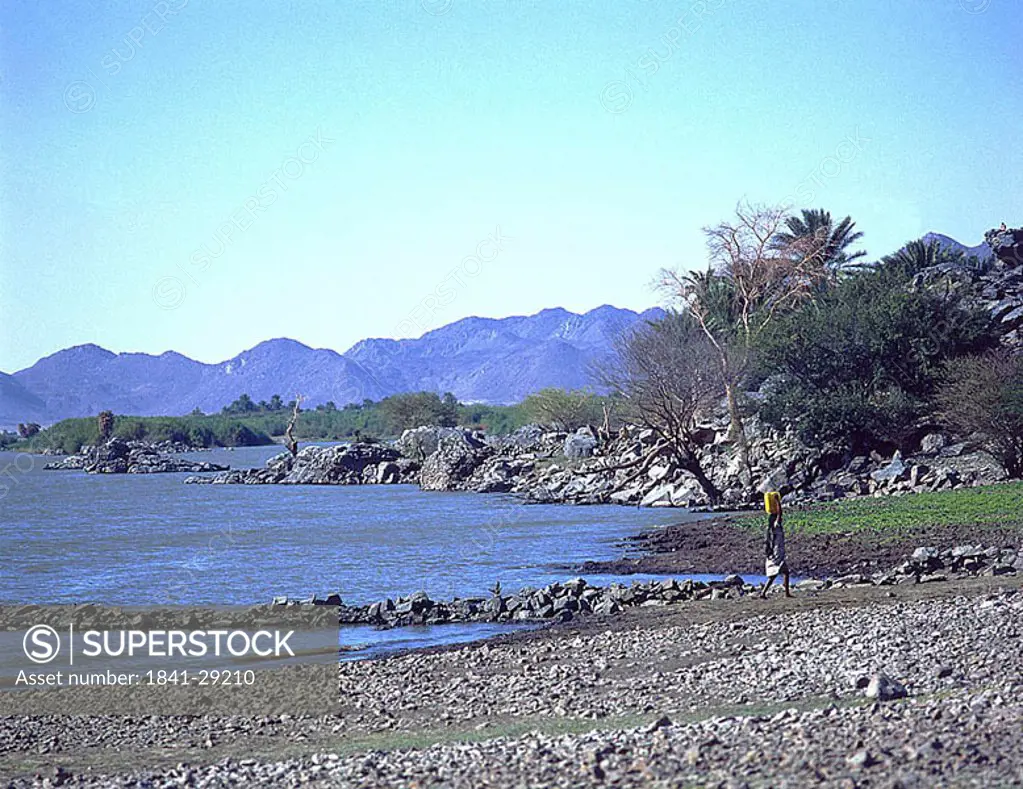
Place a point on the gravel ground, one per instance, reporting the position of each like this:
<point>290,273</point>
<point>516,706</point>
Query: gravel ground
<point>719,693</point>
<point>961,740</point>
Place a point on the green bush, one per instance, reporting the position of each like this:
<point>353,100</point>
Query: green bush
<point>860,364</point>
<point>566,410</point>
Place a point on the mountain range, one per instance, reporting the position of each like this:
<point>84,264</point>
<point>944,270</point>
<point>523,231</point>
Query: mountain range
<point>478,359</point>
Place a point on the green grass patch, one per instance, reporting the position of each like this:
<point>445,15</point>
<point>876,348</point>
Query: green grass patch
<point>995,506</point>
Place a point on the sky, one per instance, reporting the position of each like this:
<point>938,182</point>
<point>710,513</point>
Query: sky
<point>199,176</point>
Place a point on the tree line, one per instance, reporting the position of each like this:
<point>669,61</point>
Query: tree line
<point>790,323</point>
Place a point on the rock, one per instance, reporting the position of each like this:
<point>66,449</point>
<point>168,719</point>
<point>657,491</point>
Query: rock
<point>895,471</point>
<point>662,496</point>
<point>1007,245</point>
<point>861,760</point>
<point>952,450</point>
<point>925,557</point>
<point>733,496</point>
<point>119,456</point>
<point>933,443</point>
<point>853,579</point>
<point>776,480</point>
<point>387,472</point>
<point>967,551</point>
<point>918,474</point>
<point>344,464</point>
<point>884,688</point>
<point>527,438</point>
<point>659,472</point>
<point>580,444</point>
<point>419,602</point>
<point>662,722</point>
<point>458,455</point>
<point>1014,316</point>
<point>420,442</point>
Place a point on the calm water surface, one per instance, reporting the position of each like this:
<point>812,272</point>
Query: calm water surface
<point>146,539</point>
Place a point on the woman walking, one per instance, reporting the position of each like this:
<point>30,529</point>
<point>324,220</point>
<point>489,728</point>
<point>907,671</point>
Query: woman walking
<point>775,544</point>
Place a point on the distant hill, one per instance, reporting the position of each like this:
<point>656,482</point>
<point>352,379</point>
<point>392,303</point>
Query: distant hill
<point>982,250</point>
<point>499,361</point>
<point>478,359</point>
<point>17,404</point>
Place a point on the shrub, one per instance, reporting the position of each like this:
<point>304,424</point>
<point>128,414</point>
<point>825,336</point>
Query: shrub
<point>983,395</point>
<point>565,410</point>
<point>860,364</point>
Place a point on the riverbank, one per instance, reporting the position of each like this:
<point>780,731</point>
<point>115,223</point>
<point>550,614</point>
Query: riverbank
<point>724,692</point>
<point>865,535</point>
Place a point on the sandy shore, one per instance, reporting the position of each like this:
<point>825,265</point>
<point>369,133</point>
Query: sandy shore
<point>722,693</point>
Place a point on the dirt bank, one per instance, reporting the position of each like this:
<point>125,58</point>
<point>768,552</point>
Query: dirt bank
<point>719,546</point>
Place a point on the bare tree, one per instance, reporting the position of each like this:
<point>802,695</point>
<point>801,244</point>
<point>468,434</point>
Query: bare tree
<point>289,435</point>
<point>984,395</point>
<point>666,376</point>
<point>751,279</point>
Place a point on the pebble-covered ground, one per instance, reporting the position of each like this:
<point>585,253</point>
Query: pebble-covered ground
<point>715,693</point>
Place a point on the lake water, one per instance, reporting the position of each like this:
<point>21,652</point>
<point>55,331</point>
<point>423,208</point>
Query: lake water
<point>66,536</point>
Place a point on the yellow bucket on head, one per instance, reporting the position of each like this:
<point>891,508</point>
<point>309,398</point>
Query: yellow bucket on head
<point>772,502</point>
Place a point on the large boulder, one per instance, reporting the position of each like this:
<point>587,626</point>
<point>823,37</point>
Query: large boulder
<point>580,444</point>
<point>660,496</point>
<point>339,465</point>
<point>528,438</point>
<point>932,443</point>
<point>778,480</point>
<point>387,472</point>
<point>419,443</point>
<point>459,453</point>
<point>894,471</point>
<point>883,688</point>
<point>1007,245</point>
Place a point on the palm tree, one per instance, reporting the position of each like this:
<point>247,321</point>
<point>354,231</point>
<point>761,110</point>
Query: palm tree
<point>712,295</point>
<point>814,235</point>
<point>917,255</point>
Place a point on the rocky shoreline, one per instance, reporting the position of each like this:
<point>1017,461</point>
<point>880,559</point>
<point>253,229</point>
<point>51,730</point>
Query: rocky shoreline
<point>586,467</point>
<point>120,456</point>
<point>569,600</point>
<point>557,601</point>
<point>341,464</point>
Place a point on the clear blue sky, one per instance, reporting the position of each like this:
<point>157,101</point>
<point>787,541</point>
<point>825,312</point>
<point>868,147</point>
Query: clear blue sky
<point>135,133</point>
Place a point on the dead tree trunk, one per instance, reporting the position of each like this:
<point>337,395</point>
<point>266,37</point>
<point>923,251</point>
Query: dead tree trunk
<point>708,487</point>
<point>289,435</point>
